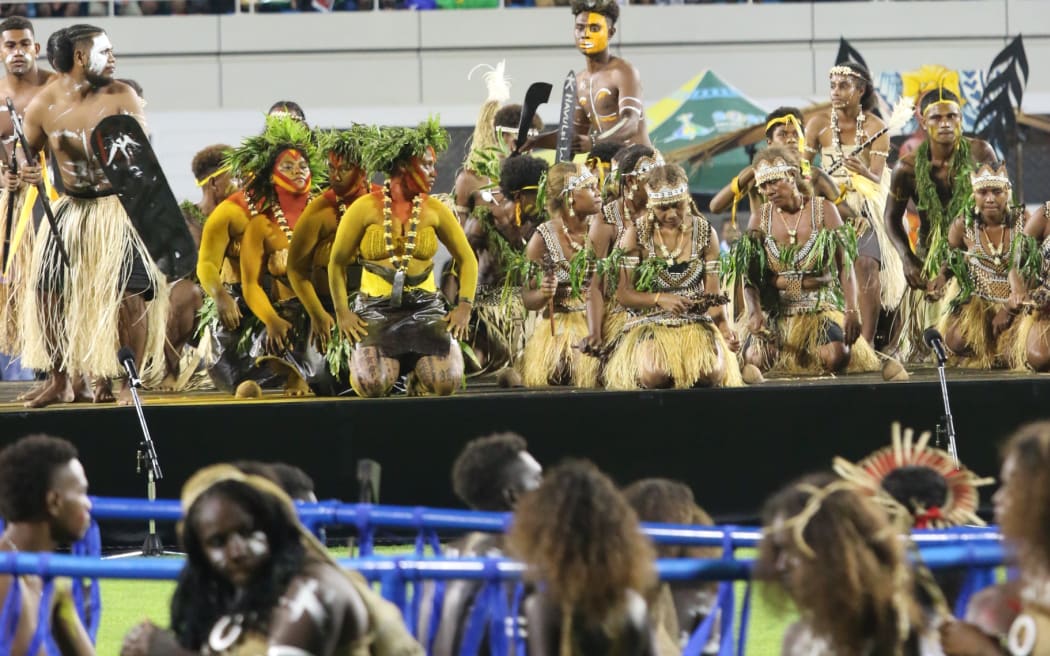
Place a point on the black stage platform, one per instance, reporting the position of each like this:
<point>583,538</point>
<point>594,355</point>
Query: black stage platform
<point>732,446</point>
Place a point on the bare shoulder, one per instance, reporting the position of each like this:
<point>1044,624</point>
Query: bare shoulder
<point>873,123</point>
<point>624,67</point>
<point>905,164</point>
<point>818,122</point>
<point>982,152</point>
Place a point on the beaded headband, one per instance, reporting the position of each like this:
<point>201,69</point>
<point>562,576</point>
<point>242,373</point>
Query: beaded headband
<point>665,196</point>
<point>987,177</point>
<point>581,179</point>
<point>503,129</point>
<point>777,169</point>
<point>646,164</point>
<point>844,70</point>
<point>214,174</point>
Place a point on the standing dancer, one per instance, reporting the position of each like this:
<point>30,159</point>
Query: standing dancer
<point>609,103</point>
<point>111,294</point>
<point>863,178</point>
<point>23,81</point>
<point>936,177</point>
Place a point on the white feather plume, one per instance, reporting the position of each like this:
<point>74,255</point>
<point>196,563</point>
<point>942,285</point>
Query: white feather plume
<point>903,111</point>
<point>496,81</point>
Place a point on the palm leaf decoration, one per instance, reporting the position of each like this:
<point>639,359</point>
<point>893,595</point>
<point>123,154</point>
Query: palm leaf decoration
<point>1027,257</point>
<point>956,262</point>
<point>253,160</point>
<point>581,267</point>
<point>385,149</point>
<point>337,351</point>
<point>608,268</point>
<point>647,272</point>
<point>1007,77</point>
<point>745,262</point>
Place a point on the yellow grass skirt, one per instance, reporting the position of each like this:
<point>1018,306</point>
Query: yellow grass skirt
<point>76,328</point>
<point>505,325</point>
<point>799,338</point>
<point>1018,354</point>
<point>12,291</point>
<point>687,352</point>
<point>553,360</point>
<point>917,314</point>
<point>973,323</point>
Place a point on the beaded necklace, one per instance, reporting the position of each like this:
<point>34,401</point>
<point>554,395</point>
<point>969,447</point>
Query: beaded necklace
<point>576,246</point>
<point>836,133</point>
<point>278,215</point>
<point>670,256</point>
<point>400,262</point>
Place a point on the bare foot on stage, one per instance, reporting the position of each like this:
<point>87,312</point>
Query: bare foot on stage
<point>55,390</point>
<point>34,391</point>
<point>103,390</point>
<point>124,396</point>
<point>80,391</point>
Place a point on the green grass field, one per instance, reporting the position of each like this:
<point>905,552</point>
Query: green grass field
<point>126,603</point>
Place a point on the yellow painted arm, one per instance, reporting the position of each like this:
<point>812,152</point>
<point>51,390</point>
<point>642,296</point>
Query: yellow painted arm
<point>253,255</point>
<point>214,240</point>
<point>347,240</point>
<point>313,223</point>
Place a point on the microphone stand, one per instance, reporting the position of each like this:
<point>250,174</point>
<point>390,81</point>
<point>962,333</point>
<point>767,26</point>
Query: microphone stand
<point>946,427</point>
<point>146,456</point>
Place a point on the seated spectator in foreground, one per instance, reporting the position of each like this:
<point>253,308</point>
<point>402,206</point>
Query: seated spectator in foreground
<point>681,606</point>
<point>591,565</point>
<point>43,500</point>
<point>834,553</point>
<point>256,582</point>
<point>491,473</point>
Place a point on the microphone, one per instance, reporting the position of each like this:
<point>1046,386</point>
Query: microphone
<point>127,359</point>
<point>932,338</point>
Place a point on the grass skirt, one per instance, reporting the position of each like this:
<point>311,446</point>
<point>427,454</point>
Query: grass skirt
<point>973,323</point>
<point>500,328</point>
<point>15,284</point>
<point>552,360</point>
<point>917,314</point>
<point>891,272</point>
<point>800,336</point>
<point>1018,349</point>
<point>70,318</point>
<point>687,351</point>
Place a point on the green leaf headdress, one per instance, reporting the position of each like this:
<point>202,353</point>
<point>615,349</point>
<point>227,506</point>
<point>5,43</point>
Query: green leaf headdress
<point>345,144</point>
<point>385,149</point>
<point>252,162</point>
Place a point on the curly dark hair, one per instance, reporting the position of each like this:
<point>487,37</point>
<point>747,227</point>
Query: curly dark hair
<point>853,584</point>
<point>1027,522</point>
<point>209,160</point>
<point>605,150</point>
<point>581,539</point>
<point>26,469</point>
<point>916,488</point>
<point>781,112</point>
<point>477,474</point>
<point>62,44</point>
<point>16,23</point>
<point>520,171</point>
<point>665,501</point>
<point>202,596</point>
<point>608,8</point>
<point>509,116</point>
<point>868,101</point>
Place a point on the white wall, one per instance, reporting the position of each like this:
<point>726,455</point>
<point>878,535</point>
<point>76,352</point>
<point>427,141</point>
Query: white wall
<point>209,78</point>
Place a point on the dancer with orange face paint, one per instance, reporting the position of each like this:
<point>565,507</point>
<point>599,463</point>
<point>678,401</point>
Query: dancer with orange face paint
<point>399,323</point>
<point>275,209</point>
<point>314,233</point>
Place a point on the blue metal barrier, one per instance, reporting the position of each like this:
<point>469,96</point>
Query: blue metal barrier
<point>367,518</point>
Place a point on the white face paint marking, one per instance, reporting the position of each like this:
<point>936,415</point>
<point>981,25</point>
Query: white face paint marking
<point>98,57</point>
<point>258,545</point>
<point>306,601</point>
